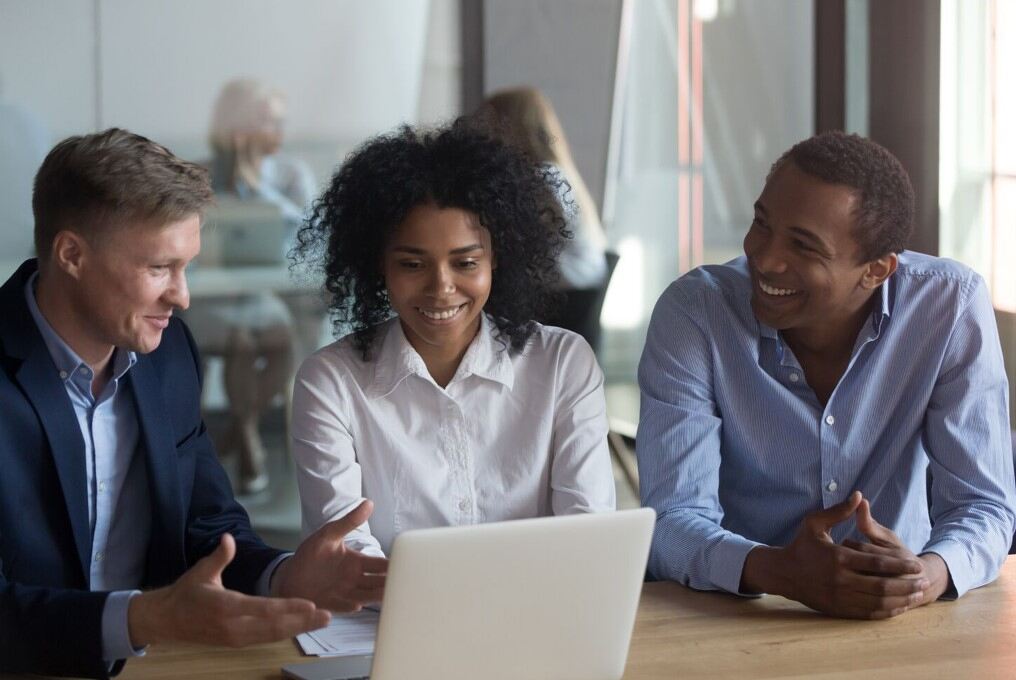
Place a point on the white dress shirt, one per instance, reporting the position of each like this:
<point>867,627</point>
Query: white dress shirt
<point>513,435</point>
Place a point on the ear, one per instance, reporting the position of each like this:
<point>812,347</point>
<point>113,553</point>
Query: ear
<point>877,271</point>
<point>69,252</point>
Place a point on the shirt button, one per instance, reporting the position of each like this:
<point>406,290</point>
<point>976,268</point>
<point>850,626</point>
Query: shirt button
<point>102,486</point>
<point>63,375</point>
<point>829,420</point>
<point>83,371</point>
<point>464,504</point>
<point>831,486</point>
<point>794,377</point>
<point>98,556</point>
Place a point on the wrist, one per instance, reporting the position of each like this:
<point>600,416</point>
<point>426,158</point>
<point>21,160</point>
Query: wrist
<point>937,574</point>
<point>764,572</point>
<point>143,619</point>
<point>277,583</point>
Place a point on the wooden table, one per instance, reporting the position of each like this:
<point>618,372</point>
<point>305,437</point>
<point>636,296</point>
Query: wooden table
<point>681,633</point>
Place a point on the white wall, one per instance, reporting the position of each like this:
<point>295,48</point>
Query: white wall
<point>350,69</point>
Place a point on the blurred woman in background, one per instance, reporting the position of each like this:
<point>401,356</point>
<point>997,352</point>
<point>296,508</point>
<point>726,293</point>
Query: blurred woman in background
<point>526,119</point>
<point>252,332</point>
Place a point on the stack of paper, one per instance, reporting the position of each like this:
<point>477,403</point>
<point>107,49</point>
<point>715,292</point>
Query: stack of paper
<point>346,635</point>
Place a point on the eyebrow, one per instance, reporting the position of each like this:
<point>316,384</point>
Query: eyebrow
<point>810,236</point>
<point>799,231</point>
<point>420,251</point>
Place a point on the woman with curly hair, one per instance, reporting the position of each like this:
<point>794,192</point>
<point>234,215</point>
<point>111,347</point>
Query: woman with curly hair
<point>447,404</point>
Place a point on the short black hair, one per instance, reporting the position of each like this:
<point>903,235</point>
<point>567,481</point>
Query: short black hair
<point>885,209</point>
<point>462,165</point>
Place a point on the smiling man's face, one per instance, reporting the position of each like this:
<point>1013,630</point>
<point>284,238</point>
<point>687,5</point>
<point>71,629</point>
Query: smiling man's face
<point>805,261</point>
<point>132,280</point>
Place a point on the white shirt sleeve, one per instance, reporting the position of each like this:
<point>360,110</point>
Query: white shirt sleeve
<point>582,479</point>
<point>327,472</point>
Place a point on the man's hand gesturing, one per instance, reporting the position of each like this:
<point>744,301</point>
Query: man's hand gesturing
<point>197,608</point>
<point>327,572</point>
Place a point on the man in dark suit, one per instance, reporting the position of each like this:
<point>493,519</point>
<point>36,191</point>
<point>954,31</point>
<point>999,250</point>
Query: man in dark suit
<point>108,480</point>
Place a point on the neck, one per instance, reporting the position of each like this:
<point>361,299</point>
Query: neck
<point>834,338</point>
<point>60,312</point>
<point>442,360</point>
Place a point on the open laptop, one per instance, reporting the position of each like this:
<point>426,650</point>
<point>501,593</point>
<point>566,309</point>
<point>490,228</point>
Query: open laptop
<point>244,233</point>
<point>553,597</point>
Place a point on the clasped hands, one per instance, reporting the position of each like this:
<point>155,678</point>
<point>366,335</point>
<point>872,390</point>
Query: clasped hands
<point>864,580</point>
<point>323,576</point>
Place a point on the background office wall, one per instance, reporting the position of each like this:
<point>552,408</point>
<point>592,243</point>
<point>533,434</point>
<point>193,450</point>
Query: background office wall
<point>349,69</point>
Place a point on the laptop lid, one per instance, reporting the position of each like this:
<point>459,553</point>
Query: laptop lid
<point>551,597</point>
<point>238,233</point>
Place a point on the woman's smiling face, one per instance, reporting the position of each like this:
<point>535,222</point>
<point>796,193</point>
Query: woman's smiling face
<point>438,267</point>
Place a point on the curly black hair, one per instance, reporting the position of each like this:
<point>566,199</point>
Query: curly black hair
<point>885,211</point>
<point>464,166</point>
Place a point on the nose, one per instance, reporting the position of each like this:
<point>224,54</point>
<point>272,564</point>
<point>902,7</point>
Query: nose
<point>441,282</point>
<point>768,256</point>
<point>178,295</point>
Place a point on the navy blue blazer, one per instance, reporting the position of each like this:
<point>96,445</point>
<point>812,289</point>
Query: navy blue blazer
<point>49,621</point>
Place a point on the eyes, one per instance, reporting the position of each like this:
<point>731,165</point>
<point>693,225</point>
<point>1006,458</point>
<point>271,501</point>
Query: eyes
<point>798,244</point>
<point>465,264</point>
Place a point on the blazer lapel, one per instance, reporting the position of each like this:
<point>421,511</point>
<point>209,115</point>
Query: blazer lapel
<point>160,456</point>
<point>38,378</point>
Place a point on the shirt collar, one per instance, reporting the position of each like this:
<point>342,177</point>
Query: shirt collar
<point>70,366</point>
<point>396,360</point>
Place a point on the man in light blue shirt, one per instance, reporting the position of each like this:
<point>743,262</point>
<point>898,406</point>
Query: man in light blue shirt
<point>794,399</point>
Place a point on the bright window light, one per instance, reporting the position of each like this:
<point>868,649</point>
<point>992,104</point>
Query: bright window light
<point>623,306</point>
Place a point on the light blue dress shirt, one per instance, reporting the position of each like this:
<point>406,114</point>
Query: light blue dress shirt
<point>119,512</point>
<point>734,448</point>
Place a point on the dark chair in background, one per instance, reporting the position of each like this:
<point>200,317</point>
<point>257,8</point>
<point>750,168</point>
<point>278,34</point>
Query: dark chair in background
<point>581,309</point>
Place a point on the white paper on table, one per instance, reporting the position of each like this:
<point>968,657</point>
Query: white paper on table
<point>345,634</point>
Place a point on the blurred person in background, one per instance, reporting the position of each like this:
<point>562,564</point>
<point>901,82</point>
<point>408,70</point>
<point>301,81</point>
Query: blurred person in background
<point>254,333</point>
<point>526,118</point>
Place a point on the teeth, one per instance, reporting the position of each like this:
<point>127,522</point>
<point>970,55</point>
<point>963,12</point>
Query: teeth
<point>440,315</point>
<point>776,291</point>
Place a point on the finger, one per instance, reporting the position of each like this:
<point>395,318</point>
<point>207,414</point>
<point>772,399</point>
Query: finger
<point>369,581</point>
<point>253,630</point>
<point>873,549</point>
<point>366,595</point>
<point>881,586</point>
<point>875,532</point>
<point>886,603</point>
<point>337,529</point>
<point>232,603</point>
<point>887,565</point>
<point>822,520</point>
<point>210,567</point>
<point>862,613</point>
<point>367,564</point>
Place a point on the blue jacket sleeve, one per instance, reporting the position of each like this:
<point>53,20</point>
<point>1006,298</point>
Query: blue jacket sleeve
<point>54,631</point>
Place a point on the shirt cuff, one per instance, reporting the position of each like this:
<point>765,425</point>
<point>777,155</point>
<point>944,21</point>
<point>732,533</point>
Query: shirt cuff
<point>727,562</point>
<point>957,561</point>
<point>116,637</point>
<point>264,584</point>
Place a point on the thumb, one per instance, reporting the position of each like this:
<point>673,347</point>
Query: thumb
<point>822,520</point>
<point>210,567</point>
<point>875,532</point>
<point>338,529</point>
